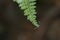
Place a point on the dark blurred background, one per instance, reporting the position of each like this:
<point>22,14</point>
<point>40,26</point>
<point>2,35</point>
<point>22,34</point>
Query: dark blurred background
<point>15,26</point>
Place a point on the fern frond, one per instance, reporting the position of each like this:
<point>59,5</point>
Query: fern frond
<point>29,10</point>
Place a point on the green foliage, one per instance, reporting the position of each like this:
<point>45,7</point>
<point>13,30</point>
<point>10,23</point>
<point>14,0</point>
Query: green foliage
<point>29,10</point>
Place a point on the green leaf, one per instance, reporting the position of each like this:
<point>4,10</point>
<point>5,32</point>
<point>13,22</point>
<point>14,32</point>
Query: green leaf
<point>29,10</point>
<point>33,3</point>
